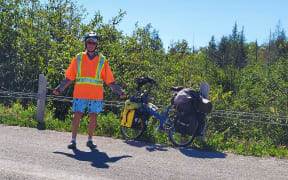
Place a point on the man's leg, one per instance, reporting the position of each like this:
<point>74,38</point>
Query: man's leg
<point>92,126</point>
<point>75,125</point>
<point>94,107</point>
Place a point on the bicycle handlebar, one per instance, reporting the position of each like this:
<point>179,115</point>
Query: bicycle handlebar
<point>144,80</point>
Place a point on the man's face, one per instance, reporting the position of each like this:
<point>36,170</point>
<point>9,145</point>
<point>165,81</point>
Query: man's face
<point>91,45</point>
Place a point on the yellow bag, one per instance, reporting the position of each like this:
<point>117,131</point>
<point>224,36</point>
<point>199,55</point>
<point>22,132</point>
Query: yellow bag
<point>127,119</point>
<point>129,112</point>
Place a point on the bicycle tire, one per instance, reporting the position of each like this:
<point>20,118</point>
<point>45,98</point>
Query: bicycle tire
<point>135,132</point>
<point>181,139</point>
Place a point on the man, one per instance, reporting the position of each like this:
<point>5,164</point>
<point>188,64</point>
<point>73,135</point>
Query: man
<point>89,70</point>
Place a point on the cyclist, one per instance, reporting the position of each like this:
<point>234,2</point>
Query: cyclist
<point>89,70</point>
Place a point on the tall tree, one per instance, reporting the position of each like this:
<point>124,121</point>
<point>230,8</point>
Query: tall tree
<point>11,14</point>
<point>212,51</point>
<point>277,46</point>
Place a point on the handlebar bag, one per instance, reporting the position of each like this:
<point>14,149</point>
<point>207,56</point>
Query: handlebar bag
<point>132,105</point>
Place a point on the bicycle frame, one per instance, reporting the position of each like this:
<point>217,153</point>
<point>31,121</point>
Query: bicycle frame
<point>162,118</point>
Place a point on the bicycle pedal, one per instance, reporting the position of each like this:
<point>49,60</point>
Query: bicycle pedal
<point>166,126</point>
<point>162,130</point>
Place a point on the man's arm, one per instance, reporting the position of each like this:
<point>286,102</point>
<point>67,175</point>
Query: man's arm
<point>62,86</point>
<point>116,89</point>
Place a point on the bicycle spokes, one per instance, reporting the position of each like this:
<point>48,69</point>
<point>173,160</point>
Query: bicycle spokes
<point>179,138</point>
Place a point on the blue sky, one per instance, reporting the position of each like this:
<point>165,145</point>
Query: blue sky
<point>196,21</point>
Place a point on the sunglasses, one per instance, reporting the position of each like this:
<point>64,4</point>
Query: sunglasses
<point>93,43</point>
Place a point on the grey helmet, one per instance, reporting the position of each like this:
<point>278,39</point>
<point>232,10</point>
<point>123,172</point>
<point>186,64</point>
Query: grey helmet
<point>91,36</point>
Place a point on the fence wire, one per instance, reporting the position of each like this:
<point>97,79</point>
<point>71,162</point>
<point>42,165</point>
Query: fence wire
<point>251,117</point>
<point>10,94</point>
<point>225,114</point>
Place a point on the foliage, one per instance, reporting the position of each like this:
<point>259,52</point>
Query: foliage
<point>17,115</point>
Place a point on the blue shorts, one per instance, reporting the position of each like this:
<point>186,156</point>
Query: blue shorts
<point>94,106</point>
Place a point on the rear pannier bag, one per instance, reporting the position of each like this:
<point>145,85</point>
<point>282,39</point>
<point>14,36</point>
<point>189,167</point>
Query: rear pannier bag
<point>186,123</point>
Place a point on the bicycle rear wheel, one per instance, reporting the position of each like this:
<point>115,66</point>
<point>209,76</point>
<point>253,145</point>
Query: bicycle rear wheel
<point>179,135</point>
<point>180,139</point>
<point>135,132</point>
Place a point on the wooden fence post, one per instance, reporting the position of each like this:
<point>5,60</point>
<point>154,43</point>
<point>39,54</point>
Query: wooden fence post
<point>42,86</point>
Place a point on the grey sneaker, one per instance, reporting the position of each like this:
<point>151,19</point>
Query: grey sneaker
<point>90,145</point>
<point>72,145</point>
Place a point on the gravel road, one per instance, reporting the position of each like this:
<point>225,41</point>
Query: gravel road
<point>27,153</point>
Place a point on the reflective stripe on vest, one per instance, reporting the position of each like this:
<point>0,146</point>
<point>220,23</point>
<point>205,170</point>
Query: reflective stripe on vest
<point>90,80</point>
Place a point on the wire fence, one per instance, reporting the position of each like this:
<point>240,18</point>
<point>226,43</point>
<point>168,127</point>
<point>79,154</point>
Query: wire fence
<point>225,114</point>
<point>251,117</point>
<point>23,95</point>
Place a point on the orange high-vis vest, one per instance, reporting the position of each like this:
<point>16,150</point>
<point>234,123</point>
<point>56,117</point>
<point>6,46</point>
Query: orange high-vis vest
<point>89,76</point>
<point>97,81</point>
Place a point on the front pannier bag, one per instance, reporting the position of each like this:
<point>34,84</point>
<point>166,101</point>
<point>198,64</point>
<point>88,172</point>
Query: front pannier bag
<point>129,113</point>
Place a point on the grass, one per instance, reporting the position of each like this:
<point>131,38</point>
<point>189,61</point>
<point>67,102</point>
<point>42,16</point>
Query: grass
<point>109,125</point>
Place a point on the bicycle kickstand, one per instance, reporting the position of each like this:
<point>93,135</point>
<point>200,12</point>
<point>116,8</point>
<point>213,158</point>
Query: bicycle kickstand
<point>159,129</point>
<point>156,129</point>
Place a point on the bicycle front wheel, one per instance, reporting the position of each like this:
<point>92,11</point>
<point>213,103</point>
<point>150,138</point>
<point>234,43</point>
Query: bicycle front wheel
<point>134,132</point>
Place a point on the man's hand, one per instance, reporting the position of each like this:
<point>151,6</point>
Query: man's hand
<point>56,92</point>
<point>61,87</point>
<point>122,96</point>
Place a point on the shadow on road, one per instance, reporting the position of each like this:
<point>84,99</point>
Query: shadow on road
<point>190,152</point>
<point>201,154</point>
<point>97,159</point>
<point>149,147</point>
